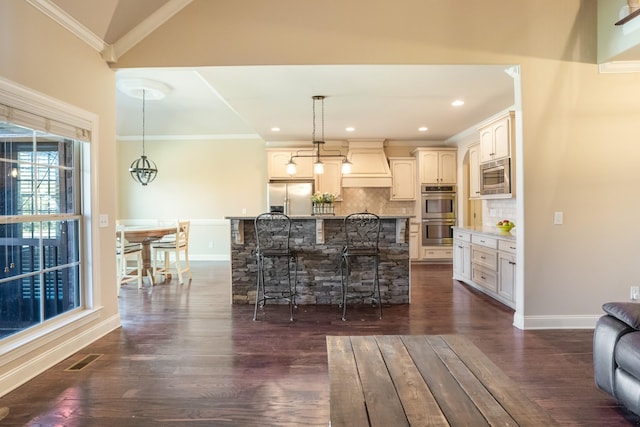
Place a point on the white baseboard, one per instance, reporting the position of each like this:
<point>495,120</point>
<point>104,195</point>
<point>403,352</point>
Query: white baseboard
<point>555,322</point>
<point>31,368</point>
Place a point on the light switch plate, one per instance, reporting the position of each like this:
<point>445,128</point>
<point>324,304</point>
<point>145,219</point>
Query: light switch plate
<point>103,220</point>
<point>558,218</point>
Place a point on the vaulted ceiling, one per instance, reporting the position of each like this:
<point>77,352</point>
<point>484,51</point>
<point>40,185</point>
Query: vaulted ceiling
<point>390,101</point>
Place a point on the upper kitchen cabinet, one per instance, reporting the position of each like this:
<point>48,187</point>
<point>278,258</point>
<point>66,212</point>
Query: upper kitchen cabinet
<point>277,159</point>
<point>474,171</point>
<point>496,138</point>
<point>403,178</point>
<point>330,181</point>
<point>437,166</point>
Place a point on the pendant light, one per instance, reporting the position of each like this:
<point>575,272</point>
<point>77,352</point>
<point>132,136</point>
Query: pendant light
<point>143,170</point>
<point>318,166</point>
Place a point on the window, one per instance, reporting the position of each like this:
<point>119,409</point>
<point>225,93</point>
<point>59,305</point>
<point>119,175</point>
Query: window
<point>40,224</point>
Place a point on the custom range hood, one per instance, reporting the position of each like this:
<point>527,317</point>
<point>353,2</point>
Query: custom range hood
<point>369,165</point>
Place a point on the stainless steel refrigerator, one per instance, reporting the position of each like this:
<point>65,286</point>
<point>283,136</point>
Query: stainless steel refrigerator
<point>290,197</point>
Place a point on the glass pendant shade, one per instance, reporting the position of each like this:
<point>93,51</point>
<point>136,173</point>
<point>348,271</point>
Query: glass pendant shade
<point>291,167</point>
<point>346,167</point>
<point>318,168</point>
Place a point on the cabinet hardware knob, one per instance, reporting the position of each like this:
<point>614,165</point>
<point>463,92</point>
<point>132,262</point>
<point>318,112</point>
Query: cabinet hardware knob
<point>512,247</point>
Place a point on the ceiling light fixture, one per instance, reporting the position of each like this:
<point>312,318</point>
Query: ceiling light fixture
<point>423,129</point>
<point>318,166</point>
<point>143,170</point>
<point>457,103</point>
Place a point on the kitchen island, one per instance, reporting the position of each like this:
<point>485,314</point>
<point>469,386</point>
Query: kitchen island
<point>318,241</point>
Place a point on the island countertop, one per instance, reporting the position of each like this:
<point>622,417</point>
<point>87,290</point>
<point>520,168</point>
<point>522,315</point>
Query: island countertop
<point>340,217</point>
<point>318,240</point>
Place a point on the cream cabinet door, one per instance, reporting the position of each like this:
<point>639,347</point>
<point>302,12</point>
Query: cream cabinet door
<point>331,180</point>
<point>507,275</point>
<point>429,167</point>
<point>502,139</point>
<point>277,165</point>
<point>461,260</point>
<point>447,167</point>
<point>474,171</point>
<point>438,167</point>
<point>403,178</point>
<point>496,139</point>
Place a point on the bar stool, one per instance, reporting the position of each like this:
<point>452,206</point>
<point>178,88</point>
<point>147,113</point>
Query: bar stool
<point>362,232</point>
<point>273,230</point>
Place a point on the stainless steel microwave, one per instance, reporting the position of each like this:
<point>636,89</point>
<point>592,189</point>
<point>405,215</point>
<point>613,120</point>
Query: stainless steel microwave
<point>495,177</point>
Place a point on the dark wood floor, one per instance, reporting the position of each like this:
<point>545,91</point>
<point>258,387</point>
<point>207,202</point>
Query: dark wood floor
<point>185,357</point>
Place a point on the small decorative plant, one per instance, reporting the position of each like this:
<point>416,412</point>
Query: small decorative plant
<point>319,198</point>
<point>323,203</point>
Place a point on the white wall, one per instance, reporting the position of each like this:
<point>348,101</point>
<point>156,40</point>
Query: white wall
<point>579,128</point>
<point>200,180</point>
<point>41,56</point>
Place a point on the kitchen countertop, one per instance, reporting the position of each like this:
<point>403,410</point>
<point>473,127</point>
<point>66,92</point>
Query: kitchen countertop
<point>340,217</point>
<point>488,231</point>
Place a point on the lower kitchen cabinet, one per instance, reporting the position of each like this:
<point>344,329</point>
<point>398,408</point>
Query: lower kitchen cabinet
<point>437,253</point>
<point>414,240</point>
<point>486,262</point>
<point>507,269</point>
<point>462,255</point>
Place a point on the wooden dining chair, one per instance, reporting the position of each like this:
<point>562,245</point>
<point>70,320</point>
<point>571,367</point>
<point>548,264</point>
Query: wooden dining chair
<point>162,251</point>
<point>129,260</point>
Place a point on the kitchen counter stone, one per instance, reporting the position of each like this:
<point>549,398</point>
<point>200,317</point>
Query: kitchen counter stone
<point>489,231</point>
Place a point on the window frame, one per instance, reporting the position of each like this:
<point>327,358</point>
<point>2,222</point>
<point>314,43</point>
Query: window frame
<point>64,117</point>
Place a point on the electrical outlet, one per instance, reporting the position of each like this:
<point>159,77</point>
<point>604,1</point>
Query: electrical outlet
<point>635,293</point>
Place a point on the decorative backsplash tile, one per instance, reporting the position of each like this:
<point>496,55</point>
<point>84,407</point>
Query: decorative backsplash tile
<point>375,200</point>
<point>495,210</point>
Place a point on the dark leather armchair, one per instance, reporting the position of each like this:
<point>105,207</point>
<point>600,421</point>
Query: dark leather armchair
<point>616,353</point>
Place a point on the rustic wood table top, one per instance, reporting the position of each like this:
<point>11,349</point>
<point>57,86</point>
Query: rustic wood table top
<point>420,380</point>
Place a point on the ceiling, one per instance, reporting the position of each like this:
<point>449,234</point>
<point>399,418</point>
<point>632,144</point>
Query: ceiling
<point>379,101</point>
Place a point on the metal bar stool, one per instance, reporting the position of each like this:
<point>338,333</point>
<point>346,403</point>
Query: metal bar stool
<point>362,232</point>
<point>273,230</point>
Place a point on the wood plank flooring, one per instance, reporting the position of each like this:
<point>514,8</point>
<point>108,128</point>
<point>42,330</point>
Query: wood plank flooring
<point>186,357</point>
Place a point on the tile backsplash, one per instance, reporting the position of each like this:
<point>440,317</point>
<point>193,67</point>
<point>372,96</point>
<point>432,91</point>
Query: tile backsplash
<point>375,200</point>
<point>495,210</point>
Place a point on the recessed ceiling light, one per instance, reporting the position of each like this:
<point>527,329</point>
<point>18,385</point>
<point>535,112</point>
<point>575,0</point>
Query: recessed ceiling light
<point>457,103</point>
<point>275,129</point>
<point>349,129</point>
<point>423,128</point>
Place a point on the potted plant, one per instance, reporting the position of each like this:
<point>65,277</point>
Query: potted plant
<point>323,203</point>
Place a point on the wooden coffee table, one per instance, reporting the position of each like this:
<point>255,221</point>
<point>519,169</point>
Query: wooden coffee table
<point>419,380</point>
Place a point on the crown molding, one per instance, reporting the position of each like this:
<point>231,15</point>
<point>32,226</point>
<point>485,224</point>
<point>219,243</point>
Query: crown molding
<point>69,23</point>
<point>111,53</point>
<point>619,67</point>
<point>146,27</point>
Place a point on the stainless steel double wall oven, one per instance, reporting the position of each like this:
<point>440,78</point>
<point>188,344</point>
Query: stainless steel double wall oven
<point>438,214</point>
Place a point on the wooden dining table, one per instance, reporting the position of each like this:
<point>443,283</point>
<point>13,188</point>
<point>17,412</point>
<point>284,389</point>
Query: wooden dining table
<point>145,235</point>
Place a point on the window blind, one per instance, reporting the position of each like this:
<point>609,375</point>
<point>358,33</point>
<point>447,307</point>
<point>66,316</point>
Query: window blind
<point>44,124</point>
